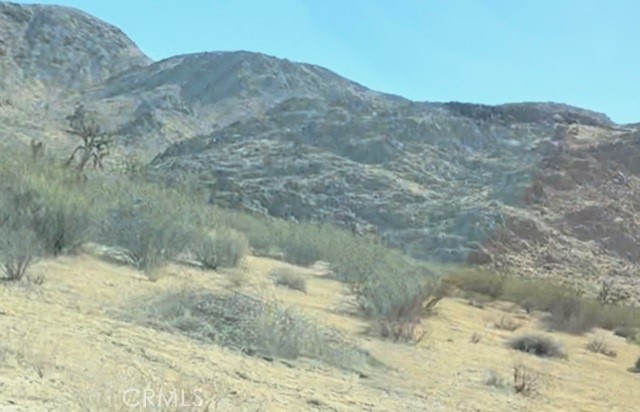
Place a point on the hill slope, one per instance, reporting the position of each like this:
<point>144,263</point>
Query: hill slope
<point>452,182</point>
<point>69,344</point>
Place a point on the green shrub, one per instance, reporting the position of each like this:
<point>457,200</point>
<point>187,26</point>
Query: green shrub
<point>478,281</point>
<point>19,249</point>
<point>538,345</point>
<point>150,233</point>
<point>203,248</point>
<point>395,301</point>
<point>571,314</point>
<point>288,277</point>
<point>52,203</point>
<point>231,247</point>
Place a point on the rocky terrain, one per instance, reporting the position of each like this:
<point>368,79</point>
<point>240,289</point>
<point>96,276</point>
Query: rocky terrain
<point>536,189</point>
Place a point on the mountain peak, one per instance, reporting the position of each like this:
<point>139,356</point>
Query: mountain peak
<point>61,47</point>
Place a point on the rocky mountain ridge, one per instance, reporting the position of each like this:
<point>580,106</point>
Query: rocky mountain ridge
<point>542,189</point>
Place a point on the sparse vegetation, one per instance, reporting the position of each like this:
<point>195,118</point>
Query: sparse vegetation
<point>493,378</point>
<point>252,325</point>
<point>288,277</point>
<point>506,323</point>
<point>536,344</point>
<point>599,345</point>
<point>568,310</point>
<point>631,334</point>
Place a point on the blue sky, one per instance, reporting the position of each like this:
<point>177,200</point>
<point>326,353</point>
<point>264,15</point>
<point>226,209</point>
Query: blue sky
<point>580,52</point>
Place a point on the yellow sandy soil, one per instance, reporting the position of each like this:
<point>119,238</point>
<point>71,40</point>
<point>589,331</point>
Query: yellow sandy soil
<point>65,348</point>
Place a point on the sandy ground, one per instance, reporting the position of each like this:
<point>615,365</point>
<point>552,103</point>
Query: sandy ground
<point>65,347</point>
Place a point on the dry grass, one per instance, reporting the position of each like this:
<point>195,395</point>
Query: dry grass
<point>86,297</point>
<point>256,326</point>
<point>506,323</point>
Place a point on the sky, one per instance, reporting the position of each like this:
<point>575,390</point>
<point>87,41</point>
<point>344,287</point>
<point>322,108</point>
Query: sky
<point>579,52</point>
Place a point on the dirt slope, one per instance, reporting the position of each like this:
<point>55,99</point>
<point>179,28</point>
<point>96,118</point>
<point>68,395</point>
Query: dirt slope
<point>65,347</point>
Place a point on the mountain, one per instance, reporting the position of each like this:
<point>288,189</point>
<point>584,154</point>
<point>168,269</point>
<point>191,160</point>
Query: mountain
<point>540,189</point>
<point>61,47</point>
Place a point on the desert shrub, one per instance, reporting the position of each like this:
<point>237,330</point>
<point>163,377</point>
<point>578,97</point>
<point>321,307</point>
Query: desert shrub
<point>54,204</point>
<point>19,248</point>
<point>599,345</point>
<point>571,314</point>
<point>637,365</point>
<point>478,281</point>
<point>252,325</point>
<point>289,278</point>
<point>153,227</point>
<point>614,317</point>
<point>203,248</point>
<point>506,323</point>
<point>222,247</point>
<point>535,294</point>
<point>631,334</point>
<point>538,345</point>
<point>231,247</point>
<point>492,378</point>
<point>395,301</point>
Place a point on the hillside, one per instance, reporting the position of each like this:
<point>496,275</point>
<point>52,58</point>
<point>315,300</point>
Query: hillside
<point>527,188</point>
<point>70,344</point>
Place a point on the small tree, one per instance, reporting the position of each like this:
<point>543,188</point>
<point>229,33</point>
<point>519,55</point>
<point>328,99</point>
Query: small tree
<point>95,142</point>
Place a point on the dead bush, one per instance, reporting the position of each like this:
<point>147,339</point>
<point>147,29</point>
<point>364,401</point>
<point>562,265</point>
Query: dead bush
<point>599,345</point>
<point>538,345</point>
